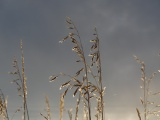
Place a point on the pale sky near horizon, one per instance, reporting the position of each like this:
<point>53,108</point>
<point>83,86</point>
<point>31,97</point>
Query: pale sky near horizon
<point>125,27</point>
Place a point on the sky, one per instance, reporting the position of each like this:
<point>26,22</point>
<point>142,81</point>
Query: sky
<point>125,28</point>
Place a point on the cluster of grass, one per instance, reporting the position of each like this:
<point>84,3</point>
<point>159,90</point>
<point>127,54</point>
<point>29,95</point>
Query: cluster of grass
<point>86,84</point>
<point>151,109</point>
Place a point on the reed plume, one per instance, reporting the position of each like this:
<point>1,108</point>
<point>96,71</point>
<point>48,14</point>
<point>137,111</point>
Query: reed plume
<point>3,107</point>
<point>150,107</point>
<point>20,81</point>
<point>81,82</point>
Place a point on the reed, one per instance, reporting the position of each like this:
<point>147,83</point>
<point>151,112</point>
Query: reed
<point>81,82</point>
<point>86,82</point>
<point>3,107</point>
<point>150,107</point>
<point>20,82</point>
<point>47,110</point>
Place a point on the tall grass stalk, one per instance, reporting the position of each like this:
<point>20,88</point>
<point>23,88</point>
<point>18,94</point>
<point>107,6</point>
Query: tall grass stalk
<point>150,107</point>
<point>20,82</point>
<point>48,110</point>
<point>3,107</point>
<point>81,82</point>
<point>61,106</point>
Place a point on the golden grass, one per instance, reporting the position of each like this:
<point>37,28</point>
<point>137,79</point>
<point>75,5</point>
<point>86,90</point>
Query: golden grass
<point>86,83</point>
<point>48,111</point>
<point>20,81</point>
<point>61,106</point>
<point>3,107</point>
<point>150,108</point>
<point>80,82</point>
<point>84,89</point>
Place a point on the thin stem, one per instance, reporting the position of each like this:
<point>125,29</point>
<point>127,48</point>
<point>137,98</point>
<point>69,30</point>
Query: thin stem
<point>100,74</point>
<point>145,100</point>
<point>94,77</point>
<point>24,86</point>
<point>86,72</point>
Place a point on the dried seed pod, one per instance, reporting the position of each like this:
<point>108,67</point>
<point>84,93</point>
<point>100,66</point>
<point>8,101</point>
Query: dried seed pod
<point>65,84</point>
<point>75,92</point>
<point>52,78</point>
<point>64,94</point>
<point>77,73</point>
<point>68,21</point>
<point>78,61</point>
<point>93,40</point>
<point>70,27</point>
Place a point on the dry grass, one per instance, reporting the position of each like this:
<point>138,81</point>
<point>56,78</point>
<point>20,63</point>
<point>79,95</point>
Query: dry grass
<point>20,81</point>
<point>85,112</point>
<point>86,83</point>
<point>80,82</point>
<point>70,114</point>
<point>150,107</point>
<point>61,106</point>
<point>3,107</point>
<point>48,110</point>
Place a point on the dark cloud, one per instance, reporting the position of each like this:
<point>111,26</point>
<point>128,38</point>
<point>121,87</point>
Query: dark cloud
<point>125,27</point>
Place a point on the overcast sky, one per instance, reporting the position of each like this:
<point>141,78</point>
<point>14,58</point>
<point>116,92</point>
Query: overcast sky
<point>125,27</point>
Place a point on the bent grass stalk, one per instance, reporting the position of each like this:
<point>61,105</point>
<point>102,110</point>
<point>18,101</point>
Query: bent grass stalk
<point>80,82</point>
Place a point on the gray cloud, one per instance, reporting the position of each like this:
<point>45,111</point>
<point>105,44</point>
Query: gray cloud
<point>125,27</point>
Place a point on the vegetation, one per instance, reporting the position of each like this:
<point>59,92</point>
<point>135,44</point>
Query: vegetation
<point>86,84</point>
<point>150,107</point>
<point>82,84</point>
